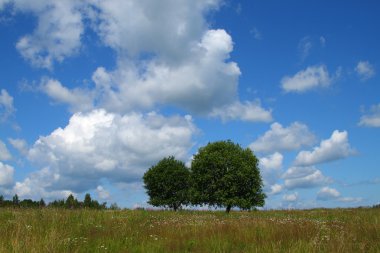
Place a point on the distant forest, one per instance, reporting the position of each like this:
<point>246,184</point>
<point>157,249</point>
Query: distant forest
<point>69,203</point>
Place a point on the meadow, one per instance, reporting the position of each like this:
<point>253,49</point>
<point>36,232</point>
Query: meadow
<point>318,230</point>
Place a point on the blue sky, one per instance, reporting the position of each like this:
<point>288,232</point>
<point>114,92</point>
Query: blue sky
<point>93,93</point>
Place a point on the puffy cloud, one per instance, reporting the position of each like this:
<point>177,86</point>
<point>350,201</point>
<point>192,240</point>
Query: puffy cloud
<point>20,145</point>
<point>311,78</point>
<point>270,167</point>
<point>247,111</point>
<point>58,32</point>
<point>290,197</point>
<point>304,177</point>
<point>371,120</point>
<point>6,175</point>
<point>167,28</point>
<point>4,153</point>
<point>41,184</point>
<point>6,105</point>
<point>337,147</point>
<point>273,161</point>
<point>78,99</point>
<point>280,138</point>
<point>365,70</point>
<point>275,189</point>
<point>201,83</point>
<point>120,148</point>
<point>327,193</point>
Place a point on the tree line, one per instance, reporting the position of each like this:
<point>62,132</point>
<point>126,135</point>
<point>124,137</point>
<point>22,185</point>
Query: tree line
<point>222,174</point>
<point>69,203</point>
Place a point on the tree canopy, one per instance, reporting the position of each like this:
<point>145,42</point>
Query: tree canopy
<point>167,183</point>
<point>223,174</point>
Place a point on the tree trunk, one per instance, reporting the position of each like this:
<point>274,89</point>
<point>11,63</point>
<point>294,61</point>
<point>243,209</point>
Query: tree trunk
<point>228,209</point>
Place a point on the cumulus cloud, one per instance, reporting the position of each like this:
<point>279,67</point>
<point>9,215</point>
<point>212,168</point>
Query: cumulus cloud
<point>166,55</point>
<point>275,189</point>
<point>304,177</point>
<point>247,111</point>
<point>373,119</point>
<point>327,193</point>
<point>6,175</point>
<point>270,167</point>
<point>4,153</point>
<point>280,138</point>
<point>290,197</point>
<point>119,148</point>
<point>201,83</point>
<point>6,105</point>
<point>311,78</point>
<point>20,145</point>
<point>41,184</point>
<point>58,32</point>
<point>350,199</point>
<point>337,147</point>
<point>167,28</point>
<point>365,70</point>
<point>78,99</point>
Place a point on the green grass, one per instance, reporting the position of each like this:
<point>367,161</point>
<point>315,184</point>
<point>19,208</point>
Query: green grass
<point>53,230</point>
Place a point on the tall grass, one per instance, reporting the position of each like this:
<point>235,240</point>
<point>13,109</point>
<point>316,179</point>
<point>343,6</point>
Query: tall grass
<point>56,230</point>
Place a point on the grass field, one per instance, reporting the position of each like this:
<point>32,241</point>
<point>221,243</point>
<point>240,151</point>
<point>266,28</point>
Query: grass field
<point>54,230</point>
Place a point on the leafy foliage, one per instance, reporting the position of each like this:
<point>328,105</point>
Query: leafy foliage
<point>225,175</point>
<point>167,183</point>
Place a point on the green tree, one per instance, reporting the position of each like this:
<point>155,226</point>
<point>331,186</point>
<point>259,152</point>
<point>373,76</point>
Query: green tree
<point>87,200</point>
<point>41,203</point>
<point>71,202</point>
<point>167,183</point>
<point>1,200</point>
<point>15,200</point>
<point>223,174</point>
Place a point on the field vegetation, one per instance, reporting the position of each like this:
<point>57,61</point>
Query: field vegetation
<point>89,230</point>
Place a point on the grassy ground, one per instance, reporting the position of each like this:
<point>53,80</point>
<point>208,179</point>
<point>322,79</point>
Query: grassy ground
<point>50,230</point>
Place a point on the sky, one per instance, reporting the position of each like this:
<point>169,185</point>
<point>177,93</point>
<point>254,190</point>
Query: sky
<point>93,93</point>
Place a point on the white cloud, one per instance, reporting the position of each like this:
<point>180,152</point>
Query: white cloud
<point>41,184</point>
<point>337,147</point>
<point>20,145</point>
<point>167,28</point>
<point>304,177</point>
<point>327,193</point>
<point>290,197</point>
<point>188,64</point>
<point>275,189</point>
<point>102,193</point>
<point>6,174</point>
<point>280,138</point>
<point>120,148</point>
<point>271,162</point>
<point>248,111</point>
<point>365,70</point>
<point>311,78</point>
<point>201,83</point>
<point>6,105</point>
<point>270,167</point>
<point>371,120</point>
<point>78,99</point>
<point>4,153</point>
<point>58,32</point>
